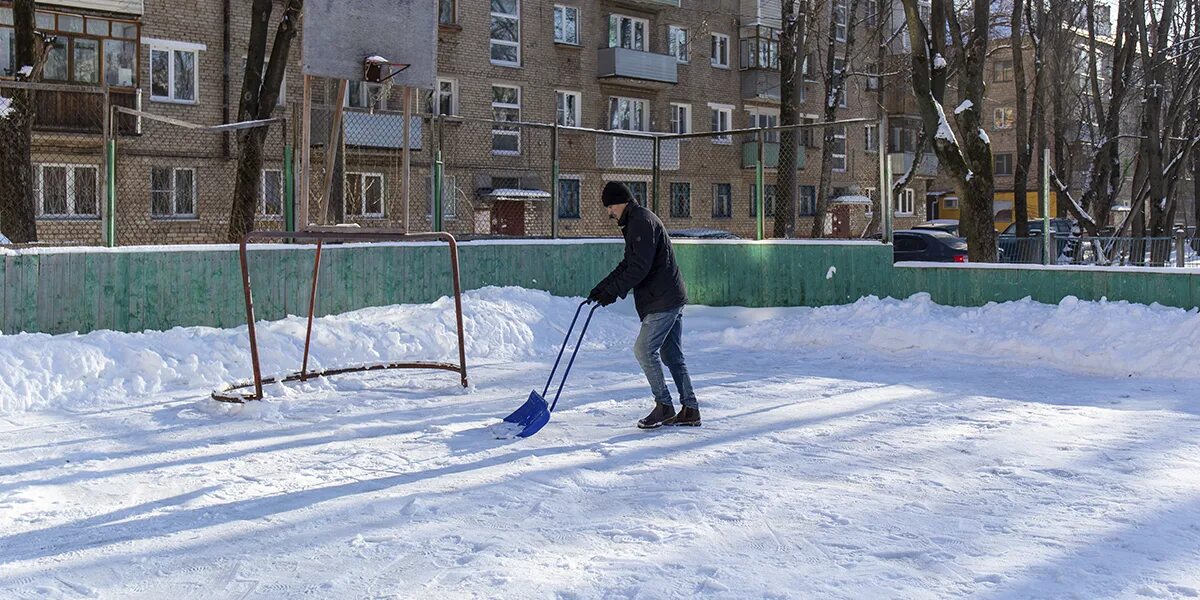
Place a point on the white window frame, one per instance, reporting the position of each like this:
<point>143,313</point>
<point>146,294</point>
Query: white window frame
<point>262,194</point>
<point>671,199</point>
<point>39,183</point>
<point>560,111</point>
<point>361,177</point>
<point>517,44</point>
<point>1012,165</point>
<point>514,133</point>
<point>643,124</point>
<point>676,48</point>
<point>437,96</point>
<point>449,204</point>
<point>842,25</point>
<point>716,203</point>
<point>614,25</point>
<point>681,117</point>
<point>839,155</point>
<point>1004,117</point>
<point>720,51</point>
<point>175,214</point>
<point>761,116</point>
<point>871,132</point>
<point>726,111</point>
<point>906,202</point>
<point>171,47</point>
<point>870,193</point>
<point>564,8</point>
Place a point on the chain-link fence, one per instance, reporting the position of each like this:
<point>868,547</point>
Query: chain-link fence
<point>53,165</point>
<point>1177,251</point>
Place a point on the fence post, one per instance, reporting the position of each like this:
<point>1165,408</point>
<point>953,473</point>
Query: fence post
<point>110,176</point>
<point>759,193</point>
<point>654,168</point>
<point>289,189</point>
<point>884,182</point>
<point>554,191</point>
<point>1045,207</point>
<point>1180,244</point>
<point>437,179</point>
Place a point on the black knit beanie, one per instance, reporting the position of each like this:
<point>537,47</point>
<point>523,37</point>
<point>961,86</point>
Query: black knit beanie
<point>616,193</point>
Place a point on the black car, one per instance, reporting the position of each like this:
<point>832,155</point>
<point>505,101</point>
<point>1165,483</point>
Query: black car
<point>949,226</point>
<point>1060,227</point>
<point>928,245</point>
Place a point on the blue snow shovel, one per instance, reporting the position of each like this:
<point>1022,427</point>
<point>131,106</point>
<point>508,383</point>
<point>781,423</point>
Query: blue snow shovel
<point>535,413</point>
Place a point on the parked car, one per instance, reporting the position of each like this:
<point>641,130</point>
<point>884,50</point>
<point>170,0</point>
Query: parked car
<point>950,226</point>
<point>928,245</point>
<point>703,234</point>
<point>1061,227</point>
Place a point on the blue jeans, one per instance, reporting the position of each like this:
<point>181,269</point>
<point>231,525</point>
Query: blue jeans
<point>662,332</point>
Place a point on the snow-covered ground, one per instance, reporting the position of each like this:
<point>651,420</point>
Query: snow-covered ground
<point>884,449</point>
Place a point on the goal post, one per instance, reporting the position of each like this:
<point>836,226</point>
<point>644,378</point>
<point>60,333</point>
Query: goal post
<point>232,393</point>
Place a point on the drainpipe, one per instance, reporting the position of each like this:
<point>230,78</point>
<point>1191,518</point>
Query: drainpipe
<point>225,35</point>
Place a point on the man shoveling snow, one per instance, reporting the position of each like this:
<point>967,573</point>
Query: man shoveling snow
<point>650,271</point>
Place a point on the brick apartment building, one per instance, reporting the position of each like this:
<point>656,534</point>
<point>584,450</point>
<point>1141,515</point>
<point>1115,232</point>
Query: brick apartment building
<point>637,65</point>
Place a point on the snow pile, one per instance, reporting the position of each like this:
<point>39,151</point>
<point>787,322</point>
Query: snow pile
<point>1074,336</point>
<point>964,107</point>
<point>104,368</point>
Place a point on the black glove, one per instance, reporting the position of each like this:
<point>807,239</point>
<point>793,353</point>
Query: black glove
<point>601,297</point>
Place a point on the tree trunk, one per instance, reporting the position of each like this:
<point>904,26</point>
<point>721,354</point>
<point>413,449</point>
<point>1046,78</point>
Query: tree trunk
<point>18,220</point>
<point>791,57</point>
<point>835,86</point>
<point>260,94</point>
<point>1024,151</point>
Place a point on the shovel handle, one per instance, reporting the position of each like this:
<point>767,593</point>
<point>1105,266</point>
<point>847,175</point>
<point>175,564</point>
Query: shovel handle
<point>563,348</point>
<point>574,353</point>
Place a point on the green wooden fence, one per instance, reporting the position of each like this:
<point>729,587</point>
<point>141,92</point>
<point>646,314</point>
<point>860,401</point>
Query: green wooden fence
<point>56,291</point>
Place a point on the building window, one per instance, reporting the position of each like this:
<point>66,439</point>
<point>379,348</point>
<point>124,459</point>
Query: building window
<point>447,13</point>
<point>759,48</point>
<point>1002,70</point>
<point>769,195</point>
<point>360,94</point>
<point>85,49</point>
<point>363,195</point>
<point>808,200</point>
<point>839,149</point>
<point>681,118</point>
<point>270,201</point>
<point>568,109</point>
<point>627,114</point>
<point>449,197</point>
<point>722,116</point>
<point>262,75</point>
<point>905,201</point>
<point>446,98</point>
<point>677,41</point>
<point>720,50</point>
<point>871,138</point>
<point>722,201</point>
<point>174,76</point>
<point>1004,118</point>
<point>506,108</point>
<point>1004,164</point>
<point>638,189</point>
<point>172,192</point>
<point>872,16</point>
<point>872,78</point>
<point>840,20</point>
<point>65,191</point>
<point>765,118</point>
<point>568,197</point>
<point>506,32</point>
<point>627,32</point>
<point>950,202</point>
<point>566,24</point>
<point>681,200</point>
<point>808,135</point>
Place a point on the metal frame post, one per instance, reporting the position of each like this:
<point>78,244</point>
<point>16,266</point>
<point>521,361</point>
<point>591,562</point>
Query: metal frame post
<point>554,191</point>
<point>1045,207</point>
<point>654,175</point>
<point>289,190</point>
<point>110,175</point>
<point>760,189</point>
<point>438,166</point>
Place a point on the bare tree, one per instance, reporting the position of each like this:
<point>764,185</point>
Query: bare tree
<point>968,162</point>
<point>836,75</point>
<point>260,94</point>
<point>18,112</point>
<point>792,41</point>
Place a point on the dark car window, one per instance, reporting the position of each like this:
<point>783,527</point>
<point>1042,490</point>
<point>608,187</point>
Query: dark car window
<point>909,244</point>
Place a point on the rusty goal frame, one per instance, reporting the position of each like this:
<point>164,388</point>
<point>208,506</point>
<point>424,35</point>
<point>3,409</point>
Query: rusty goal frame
<point>231,393</point>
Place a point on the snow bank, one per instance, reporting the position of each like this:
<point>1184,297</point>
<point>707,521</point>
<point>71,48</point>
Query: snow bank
<point>1117,339</point>
<point>102,369</point>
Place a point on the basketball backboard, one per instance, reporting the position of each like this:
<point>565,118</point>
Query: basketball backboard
<point>339,34</point>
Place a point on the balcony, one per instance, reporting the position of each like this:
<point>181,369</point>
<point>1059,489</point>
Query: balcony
<point>636,65</point>
<point>617,152</point>
<point>62,110</point>
<point>649,4</point>
<point>770,155</point>
<point>901,162</point>
<point>760,84</point>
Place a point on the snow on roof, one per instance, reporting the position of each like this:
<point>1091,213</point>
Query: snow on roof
<point>852,200</point>
<point>517,194</point>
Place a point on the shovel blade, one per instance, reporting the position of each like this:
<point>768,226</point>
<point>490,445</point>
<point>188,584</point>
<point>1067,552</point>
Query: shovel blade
<point>531,416</point>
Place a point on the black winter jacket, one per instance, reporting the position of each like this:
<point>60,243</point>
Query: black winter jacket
<point>649,267</point>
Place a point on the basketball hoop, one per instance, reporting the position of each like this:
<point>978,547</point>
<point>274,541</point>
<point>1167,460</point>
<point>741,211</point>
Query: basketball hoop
<point>374,67</point>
